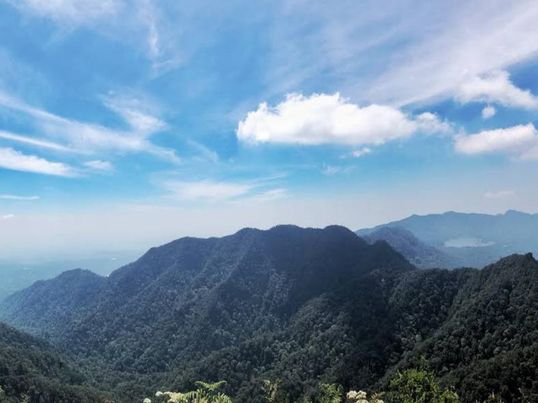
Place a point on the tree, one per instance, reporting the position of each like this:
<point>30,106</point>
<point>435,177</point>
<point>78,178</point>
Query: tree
<point>419,386</point>
<point>205,393</point>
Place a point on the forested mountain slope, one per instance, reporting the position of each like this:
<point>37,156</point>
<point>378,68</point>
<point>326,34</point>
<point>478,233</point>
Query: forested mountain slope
<point>417,252</point>
<point>301,306</point>
<point>30,369</point>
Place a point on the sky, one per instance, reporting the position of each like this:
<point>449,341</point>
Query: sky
<point>128,123</point>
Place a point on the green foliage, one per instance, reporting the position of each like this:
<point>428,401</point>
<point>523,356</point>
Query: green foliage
<point>419,386</point>
<point>205,393</point>
<point>300,306</point>
<point>330,393</point>
<point>32,371</point>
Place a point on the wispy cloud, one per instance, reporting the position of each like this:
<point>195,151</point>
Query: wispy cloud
<point>18,197</point>
<point>499,194</point>
<point>88,137</point>
<point>464,40</point>
<point>360,152</point>
<point>34,142</point>
<point>70,12</point>
<point>207,190</point>
<point>7,216</point>
<point>14,160</point>
<point>135,22</point>
<point>98,165</point>
<point>257,190</point>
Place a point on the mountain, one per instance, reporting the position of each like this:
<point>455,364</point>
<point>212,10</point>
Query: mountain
<point>417,252</point>
<point>301,306</point>
<point>47,305</point>
<point>191,300</point>
<point>472,240</point>
<point>490,338</point>
<point>31,369</point>
<point>17,275</point>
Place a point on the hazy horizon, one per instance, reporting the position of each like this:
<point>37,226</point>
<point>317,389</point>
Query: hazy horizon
<point>123,130</point>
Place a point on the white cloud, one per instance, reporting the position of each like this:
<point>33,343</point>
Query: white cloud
<point>90,138</point>
<point>488,112</point>
<point>74,12</point>
<point>496,87</point>
<point>429,123</point>
<point>360,152</point>
<point>499,194</point>
<point>518,141</point>
<point>136,113</point>
<point>34,142</point>
<point>270,195</point>
<point>207,190</point>
<point>326,119</point>
<point>19,198</point>
<point>7,216</point>
<point>14,160</point>
<point>455,41</point>
<point>138,23</point>
<point>99,165</point>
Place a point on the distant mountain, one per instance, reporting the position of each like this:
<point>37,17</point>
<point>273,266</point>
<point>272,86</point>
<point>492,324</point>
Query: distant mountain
<point>473,240</point>
<point>301,306</point>
<point>417,252</point>
<point>17,275</point>
<point>30,369</point>
<point>47,305</point>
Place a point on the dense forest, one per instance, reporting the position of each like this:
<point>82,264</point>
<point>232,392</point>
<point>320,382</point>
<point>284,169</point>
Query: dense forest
<point>307,310</point>
<point>33,371</point>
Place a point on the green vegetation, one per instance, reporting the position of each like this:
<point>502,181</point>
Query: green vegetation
<point>313,309</point>
<point>32,371</point>
<point>205,393</point>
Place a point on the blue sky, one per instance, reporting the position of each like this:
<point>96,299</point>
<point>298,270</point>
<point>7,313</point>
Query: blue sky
<point>126,123</point>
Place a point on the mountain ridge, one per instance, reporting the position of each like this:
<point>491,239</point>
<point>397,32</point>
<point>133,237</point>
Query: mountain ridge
<point>299,305</point>
<point>465,239</point>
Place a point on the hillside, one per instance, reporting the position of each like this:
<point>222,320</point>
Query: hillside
<point>417,252</point>
<point>31,369</point>
<point>469,240</point>
<point>301,306</point>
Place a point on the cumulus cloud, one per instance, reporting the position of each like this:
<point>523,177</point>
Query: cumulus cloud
<point>518,141</point>
<point>331,119</point>
<point>496,87</point>
<point>16,161</point>
<point>488,112</point>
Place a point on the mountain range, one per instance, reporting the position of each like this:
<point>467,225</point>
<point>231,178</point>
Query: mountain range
<point>452,239</point>
<point>301,306</point>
